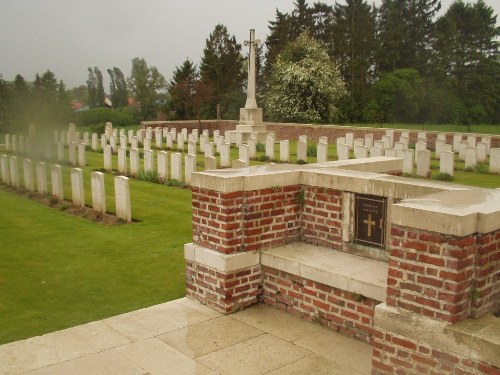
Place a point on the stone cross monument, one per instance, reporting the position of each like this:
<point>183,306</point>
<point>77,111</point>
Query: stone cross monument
<point>251,115</point>
<point>252,43</point>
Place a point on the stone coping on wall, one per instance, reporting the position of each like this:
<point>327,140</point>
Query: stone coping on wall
<point>226,263</point>
<point>340,270</point>
<point>364,176</point>
<point>478,339</point>
<point>458,213</point>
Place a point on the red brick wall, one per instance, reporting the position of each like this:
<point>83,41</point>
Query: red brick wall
<point>322,217</point>
<point>226,293</point>
<point>246,221</point>
<point>487,275</point>
<point>435,275</point>
<point>394,354</point>
<point>337,309</point>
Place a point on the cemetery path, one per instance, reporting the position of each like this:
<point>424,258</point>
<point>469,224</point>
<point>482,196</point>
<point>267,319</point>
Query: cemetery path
<point>184,337</point>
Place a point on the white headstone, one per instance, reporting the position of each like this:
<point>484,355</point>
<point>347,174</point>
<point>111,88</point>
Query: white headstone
<point>14,147</point>
<point>4,169</point>
<point>494,160</point>
<point>472,140</point>
<point>98,192</point>
<point>302,150</point>
<point>438,147</point>
<point>86,139</point>
<point>405,141</point>
<point>369,140</point>
<point>41,177</point>
<point>244,154</point>
<point>358,142</point>
<point>146,144</point>
<point>122,160</point>
<point>303,138</point>
<point>270,148</point>
<point>57,181</point>
<point>191,147</point>
<point>134,162</point>
<point>72,153</point>
<point>390,152</point>
<point>203,142</point>
<point>252,147</point>
<point>461,149</point>
<point>108,161</point>
<point>180,142</point>
<point>487,140</point>
<point>134,142</point>
<point>7,143</point>
<point>470,157</point>
<point>225,155</point>
<point>195,134</point>
<point>376,151</point>
<point>239,139</point>
<point>457,138</point>
<point>379,144</point>
<point>447,162</point>
<point>94,142</point>
<point>104,141</point>
<point>176,165</point>
<point>108,129</point>
<point>149,161</point>
<point>122,198</point>
<point>360,152</point>
<point>342,152</point>
<point>422,135</point>
<point>28,174</point>
<point>169,140</point>
<point>189,167</point>
<point>14,171</point>
<point>77,192</point>
<point>482,152</point>
<point>112,143</point>
<point>420,146</point>
<point>81,155</point>
<point>210,163</point>
<point>386,140</point>
<point>184,132</point>
<point>163,165</point>
<point>284,151</point>
<point>423,163</point>
<point>123,141</point>
<point>322,152</point>
<point>209,149</point>
<point>349,140</point>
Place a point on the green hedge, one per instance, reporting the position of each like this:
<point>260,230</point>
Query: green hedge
<point>99,116</point>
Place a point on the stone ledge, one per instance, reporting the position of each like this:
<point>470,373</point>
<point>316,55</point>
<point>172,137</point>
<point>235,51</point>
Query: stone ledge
<point>333,268</point>
<point>458,213</point>
<point>221,262</point>
<point>478,339</point>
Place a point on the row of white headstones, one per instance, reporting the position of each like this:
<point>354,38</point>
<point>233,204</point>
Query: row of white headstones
<point>9,174</point>
<point>471,150</point>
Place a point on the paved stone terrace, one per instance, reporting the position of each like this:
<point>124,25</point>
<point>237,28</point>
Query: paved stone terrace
<point>184,337</point>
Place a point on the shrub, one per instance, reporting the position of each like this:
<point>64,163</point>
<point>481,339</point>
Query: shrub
<point>263,158</point>
<point>312,150</point>
<point>260,147</point>
<point>443,177</point>
<point>481,168</point>
<point>151,176</point>
<point>99,116</point>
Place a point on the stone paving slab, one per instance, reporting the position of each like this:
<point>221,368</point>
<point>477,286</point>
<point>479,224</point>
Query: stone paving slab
<point>182,337</point>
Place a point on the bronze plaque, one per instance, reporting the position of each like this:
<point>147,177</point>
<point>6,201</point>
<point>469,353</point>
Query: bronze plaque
<point>370,216</point>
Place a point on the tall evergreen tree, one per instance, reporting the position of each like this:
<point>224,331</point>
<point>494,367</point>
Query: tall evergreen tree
<point>182,89</point>
<point>92,89</point>
<point>118,88</point>
<point>467,59</point>
<point>222,67</point>
<point>100,95</point>
<point>354,47</point>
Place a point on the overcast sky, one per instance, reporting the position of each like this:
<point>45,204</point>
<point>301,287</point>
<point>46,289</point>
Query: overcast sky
<point>67,36</point>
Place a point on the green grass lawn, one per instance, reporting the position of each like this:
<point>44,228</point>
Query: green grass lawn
<point>59,270</point>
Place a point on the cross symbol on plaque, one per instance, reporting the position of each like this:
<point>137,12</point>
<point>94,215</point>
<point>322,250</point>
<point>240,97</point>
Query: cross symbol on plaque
<point>370,224</point>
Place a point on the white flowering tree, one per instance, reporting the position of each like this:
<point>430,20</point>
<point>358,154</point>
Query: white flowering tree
<point>305,84</point>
